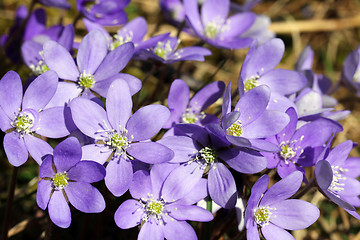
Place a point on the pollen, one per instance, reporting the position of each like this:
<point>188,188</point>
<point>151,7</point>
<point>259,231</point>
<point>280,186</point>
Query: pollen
<point>191,117</point>
<point>235,129</point>
<point>154,207</point>
<point>163,49</point>
<point>60,180</point>
<point>207,154</point>
<point>262,215</point>
<point>251,83</point>
<point>120,40</point>
<point>23,123</point>
<point>86,80</point>
<point>119,141</point>
<point>287,152</point>
<point>40,68</point>
<point>337,185</point>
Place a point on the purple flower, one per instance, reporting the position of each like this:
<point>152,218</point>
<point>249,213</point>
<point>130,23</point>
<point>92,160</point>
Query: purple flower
<point>300,147</point>
<point>95,69</point>
<point>214,26</point>
<point>64,178</point>
<point>272,211</point>
<point>162,207</point>
<point>165,52</point>
<point>134,31</point>
<point>184,110</point>
<point>174,10</point>
<point>350,75</point>
<point>258,69</point>
<point>23,117</point>
<point>336,177</point>
<point>56,3</point>
<point>118,131</point>
<point>104,12</point>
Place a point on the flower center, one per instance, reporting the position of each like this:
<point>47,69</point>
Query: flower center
<point>120,40</point>
<point>262,215</point>
<point>86,80</point>
<point>154,207</point>
<point>60,180</point>
<point>163,49</point>
<point>337,185</point>
<point>207,154</point>
<point>40,68</point>
<point>23,123</point>
<point>287,152</point>
<point>356,77</point>
<point>212,29</point>
<point>191,117</point>
<point>251,83</point>
<point>235,129</point>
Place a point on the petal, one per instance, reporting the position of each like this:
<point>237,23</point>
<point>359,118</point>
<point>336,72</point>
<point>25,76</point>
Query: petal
<point>158,174</point>
<point>37,148</point>
<point>11,92</point>
<point>182,146</point>
<point>119,174</point>
<point>92,51</point>
<point>250,111</point>
<point>65,92</point>
<point>273,232</point>
<point>324,174</point>
<point>67,37</point>
<point>102,86</point>
<point>198,133</point>
<point>193,16</point>
<point>57,58</point>
<point>207,96</point>
<point>5,121</point>
<point>147,121</point>
<point>174,229</point>
<point>118,104</point>
<point>88,116</point>
<point>15,149</point>
<point>252,232</point>
<point>52,123</point>
<point>87,171</point>
<point>59,210</point>
<point>187,175</point>
<point>40,91</point>
<point>189,212</point>
<point>150,152</point>
<point>244,160</point>
<point>214,11</point>
<point>66,154</point>
<point>236,25</point>
<point>115,61</point>
<point>179,95</point>
<point>226,105</point>
<point>294,214</point>
<point>257,192</point>
<point>46,169</point>
<point>96,152</point>
<point>85,197</point>
<point>196,194</point>
<point>283,81</point>
<point>44,188</point>
<point>151,231</point>
<point>141,187</point>
<point>221,185</point>
<point>129,214</point>
<point>339,154</point>
<point>283,189</point>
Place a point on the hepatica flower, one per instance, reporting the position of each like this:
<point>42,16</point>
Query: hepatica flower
<point>23,116</point>
<point>120,134</point>
<point>350,75</point>
<point>272,212</point>
<point>215,27</point>
<point>336,177</point>
<point>64,178</point>
<point>161,207</point>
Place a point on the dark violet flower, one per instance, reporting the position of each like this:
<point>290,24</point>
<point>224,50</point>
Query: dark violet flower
<point>258,69</point>
<point>64,178</point>
<point>202,152</point>
<point>251,122</point>
<point>336,177</point>
<point>23,117</point>
<point>300,147</point>
<point>166,52</point>
<point>215,27</point>
<point>350,75</point>
<point>104,12</point>
<point>162,207</point>
<point>184,110</point>
<point>272,211</point>
<point>56,3</point>
<point>120,134</point>
<point>96,68</point>
<point>133,31</point>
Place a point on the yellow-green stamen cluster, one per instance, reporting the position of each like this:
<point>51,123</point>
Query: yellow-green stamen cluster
<point>287,152</point>
<point>336,186</point>
<point>191,117</point>
<point>120,40</point>
<point>262,215</point>
<point>251,83</point>
<point>153,208</point>
<point>235,129</point>
<point>212,29</point>
<point>60,180</point>
<point>40,68</point>
<point>163,49</point>
<point>23,124</point>
<point>207,154</point>
<point>86,80</point>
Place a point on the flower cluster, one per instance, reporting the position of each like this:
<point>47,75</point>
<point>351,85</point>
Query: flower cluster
<point>176,144</point>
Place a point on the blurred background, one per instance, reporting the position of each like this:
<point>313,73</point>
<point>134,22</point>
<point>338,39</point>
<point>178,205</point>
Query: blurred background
<point>330,27</point>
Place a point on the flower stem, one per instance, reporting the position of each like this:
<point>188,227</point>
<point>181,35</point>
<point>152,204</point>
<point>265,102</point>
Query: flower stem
<point>48,229</point>
<point>208,224</point>
<point>9,204</point>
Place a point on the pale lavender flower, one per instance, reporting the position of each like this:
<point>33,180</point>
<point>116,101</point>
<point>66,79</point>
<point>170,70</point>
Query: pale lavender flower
<point>272,211</point>
<point>64,178</point>
<point>350,75</point>
<point>163,205</point>
<point>23,117</point>
<point>336,177</point>
<point>120,134</point>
